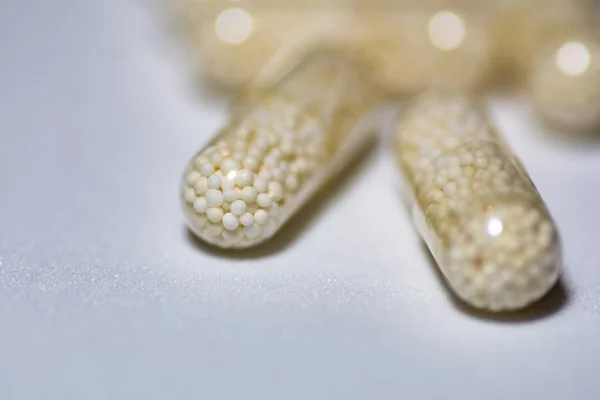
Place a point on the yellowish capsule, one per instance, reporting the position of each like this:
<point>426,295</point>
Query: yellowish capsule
<point>523,27</point>
<point>475,206</point>
<point>280,147</point>
<point>424,47</point>
<point>564,83</point>
<point>409,46</point>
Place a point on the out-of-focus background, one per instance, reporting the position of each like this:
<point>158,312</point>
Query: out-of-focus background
<point>104,294</point>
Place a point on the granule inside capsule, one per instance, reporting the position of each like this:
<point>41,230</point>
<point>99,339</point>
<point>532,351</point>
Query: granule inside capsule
<point>504,253</point>
<point>237,189</point>
<point>436,124</point>
<point>465,174</point>
<point>565,84</point>
<point>286,136</point>
<point>498,232</point>
<point>478,211</point>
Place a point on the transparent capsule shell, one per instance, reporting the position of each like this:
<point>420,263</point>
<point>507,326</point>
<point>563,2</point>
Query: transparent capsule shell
<point>475,206</point>
<point>279,147</point>
<point>231,42</point>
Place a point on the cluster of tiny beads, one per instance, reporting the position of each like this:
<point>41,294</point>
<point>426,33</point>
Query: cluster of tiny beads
<point>282,143</point>
<point>235,189</point>
<point>487,226</point>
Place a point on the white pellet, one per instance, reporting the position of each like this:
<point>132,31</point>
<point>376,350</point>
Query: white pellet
<point>230,222</point>
<point>246,184</point>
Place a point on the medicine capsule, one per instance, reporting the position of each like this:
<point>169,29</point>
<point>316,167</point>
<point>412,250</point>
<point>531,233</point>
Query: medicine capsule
<point>277,150</point>
<point>474,205</point>
<point>232,42</point>
<point>409,46</point>
<point>427,45</point>
<point>523,27</point>
<point>564,84</point>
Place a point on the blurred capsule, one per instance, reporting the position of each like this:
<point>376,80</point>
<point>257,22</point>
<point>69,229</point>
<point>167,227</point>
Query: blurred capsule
<point>236,43</point>
<point>410,44</point>
<point>565,83</point>
<point>475,206</point>
<point>232,41</point>
<point>522,27</point>
<point>278,149</point>
<point>426,47</point>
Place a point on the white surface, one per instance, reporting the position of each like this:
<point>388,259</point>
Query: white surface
<point>103,295</point>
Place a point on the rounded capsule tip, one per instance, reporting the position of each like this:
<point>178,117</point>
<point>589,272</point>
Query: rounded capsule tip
<point>504,254</point>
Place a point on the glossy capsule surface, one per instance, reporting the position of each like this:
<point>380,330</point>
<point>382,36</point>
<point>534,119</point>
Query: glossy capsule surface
<point>278,149</point>
<point>474,205</point>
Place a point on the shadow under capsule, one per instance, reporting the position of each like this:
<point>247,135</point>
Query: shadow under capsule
<point>211,88</point>
<point>293,229</point>
<point>588,140</point>
<point>555,300</point>
<point>557,134</point>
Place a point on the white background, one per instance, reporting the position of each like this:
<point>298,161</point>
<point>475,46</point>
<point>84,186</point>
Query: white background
<point>103,294</point>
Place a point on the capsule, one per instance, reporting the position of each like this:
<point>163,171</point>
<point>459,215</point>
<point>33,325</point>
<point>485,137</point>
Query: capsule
<point>279,147</point>
<point>409,46</point>
<point>523,27</point>
<point>564,83</point>
<point>230,42</point>
<point>474,205</point>
<point>426,46</point>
